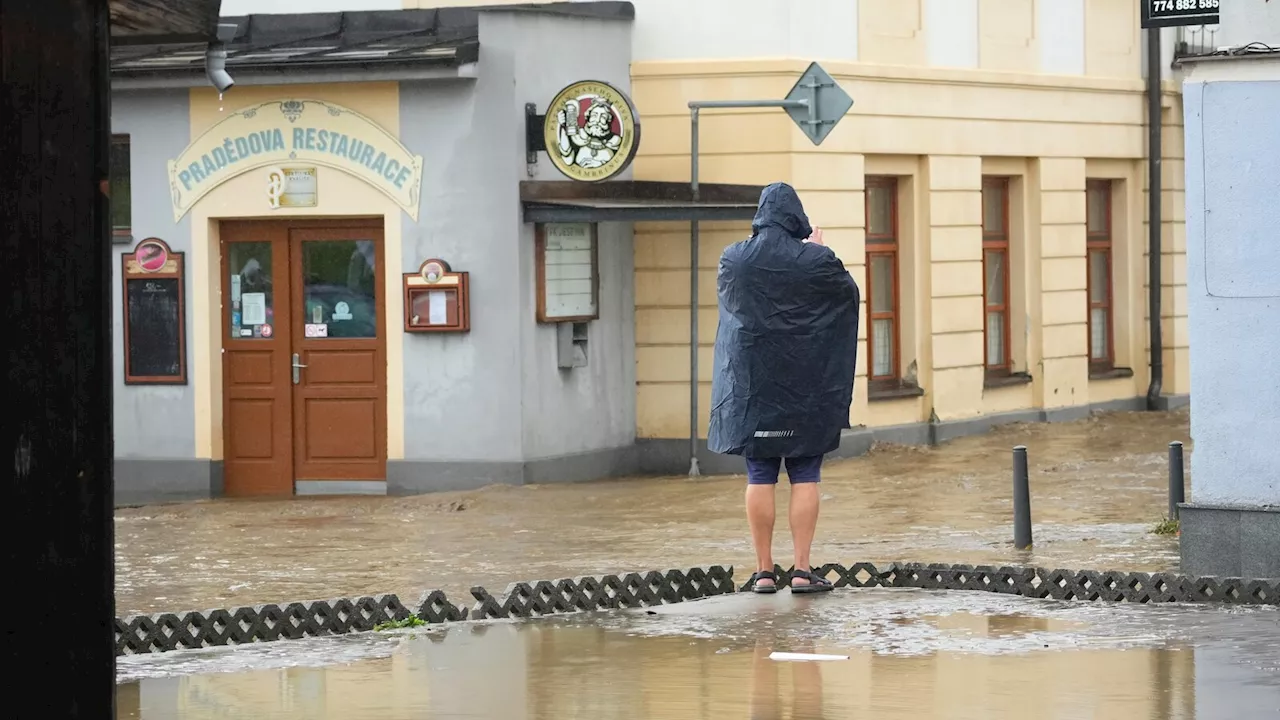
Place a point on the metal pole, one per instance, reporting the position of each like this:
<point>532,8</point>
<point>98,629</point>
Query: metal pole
<point>694,470</point>
<point>695,108</point>
<point>1154,73</point>
<point>1021,500</point>
<point>1177,475</point>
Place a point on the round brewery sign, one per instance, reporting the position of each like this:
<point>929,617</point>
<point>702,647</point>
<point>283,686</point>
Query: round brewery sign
<point>151,256</point>
<point>592,131</point>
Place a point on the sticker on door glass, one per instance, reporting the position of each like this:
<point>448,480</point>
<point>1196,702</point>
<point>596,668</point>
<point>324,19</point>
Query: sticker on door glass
<point>246,332</point>
<point>266,331</point>
<point>254,307</point>
<point>316,330</point>
<point>317,314</point>
<point>235,288</point>
<point>341,311</point>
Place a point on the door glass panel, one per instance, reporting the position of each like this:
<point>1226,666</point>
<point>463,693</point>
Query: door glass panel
<point>250,289</point>
<point>882,283</point>
<point>339,289</point>
<point>995,269</point>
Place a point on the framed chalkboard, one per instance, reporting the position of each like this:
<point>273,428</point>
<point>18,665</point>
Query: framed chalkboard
<point>155,336</point>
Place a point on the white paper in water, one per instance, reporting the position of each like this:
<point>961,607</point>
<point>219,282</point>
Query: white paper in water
<point>437,308</point>
<point>805,657</point>
<point>253,309</point>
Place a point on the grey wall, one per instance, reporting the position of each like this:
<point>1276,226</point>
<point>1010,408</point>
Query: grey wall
<point>496,393</point>
<point>462,392</point>
<point>152,421</point>
<point>1233,281</point>
<point>593,407</point>
<point>568,412</point>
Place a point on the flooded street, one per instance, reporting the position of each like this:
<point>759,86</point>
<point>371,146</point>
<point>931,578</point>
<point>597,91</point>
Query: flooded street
<point>910,654</point>
<point>1097,488</point>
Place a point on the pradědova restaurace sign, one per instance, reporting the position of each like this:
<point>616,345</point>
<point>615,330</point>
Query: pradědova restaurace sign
<point>291,131</point>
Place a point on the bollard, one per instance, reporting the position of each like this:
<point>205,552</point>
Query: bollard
<point>1021,500</point>
<point>1177,479</point>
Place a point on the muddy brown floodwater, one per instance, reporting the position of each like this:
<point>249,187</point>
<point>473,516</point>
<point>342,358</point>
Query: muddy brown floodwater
<point>1097,488</point>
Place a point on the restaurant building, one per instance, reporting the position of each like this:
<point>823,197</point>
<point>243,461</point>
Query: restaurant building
<point>410,250</point>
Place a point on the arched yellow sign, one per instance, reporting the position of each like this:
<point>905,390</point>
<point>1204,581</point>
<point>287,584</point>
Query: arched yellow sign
<point>591,131</point>
<point>296,131</point>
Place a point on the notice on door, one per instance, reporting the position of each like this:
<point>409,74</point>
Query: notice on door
<point>253,308</point>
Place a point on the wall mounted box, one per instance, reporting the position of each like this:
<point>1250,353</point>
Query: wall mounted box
<point>436,299</point>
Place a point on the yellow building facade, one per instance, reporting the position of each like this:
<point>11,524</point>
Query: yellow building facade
<point>987,191</point>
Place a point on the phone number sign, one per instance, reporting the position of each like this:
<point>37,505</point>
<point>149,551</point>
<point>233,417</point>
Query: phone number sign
<point>1172,13</point>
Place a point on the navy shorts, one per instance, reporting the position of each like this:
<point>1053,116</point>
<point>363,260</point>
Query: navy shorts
<point>764,471</point>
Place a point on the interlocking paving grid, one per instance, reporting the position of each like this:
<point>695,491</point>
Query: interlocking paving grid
<point>267,623</point>
<point>1055,584</point>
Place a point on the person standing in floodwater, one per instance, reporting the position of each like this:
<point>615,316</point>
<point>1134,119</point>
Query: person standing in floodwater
<point>785,353</point>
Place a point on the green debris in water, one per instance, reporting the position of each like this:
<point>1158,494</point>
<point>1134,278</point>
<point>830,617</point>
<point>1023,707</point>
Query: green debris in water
<point>1166,527</point>
<point>409,622</point>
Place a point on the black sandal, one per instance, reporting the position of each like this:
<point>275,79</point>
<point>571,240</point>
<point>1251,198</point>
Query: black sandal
<point>763,589</point>
<point>817,583</point>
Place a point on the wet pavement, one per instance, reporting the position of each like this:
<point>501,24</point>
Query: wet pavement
<point>1097,486</point>
<point>910,654</point>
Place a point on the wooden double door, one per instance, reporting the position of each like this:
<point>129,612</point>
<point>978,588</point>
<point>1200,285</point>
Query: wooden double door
<point>304,363</point>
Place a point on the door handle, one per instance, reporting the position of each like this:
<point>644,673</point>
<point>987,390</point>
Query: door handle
<point>297,367</point>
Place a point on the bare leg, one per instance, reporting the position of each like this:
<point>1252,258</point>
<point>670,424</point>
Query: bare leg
<point>804,522</point>
<point>760,516</point>
<point>806,681</point>
<point>764,684</point>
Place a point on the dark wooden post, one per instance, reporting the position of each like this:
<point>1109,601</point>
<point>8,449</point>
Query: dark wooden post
<point>55,401</point>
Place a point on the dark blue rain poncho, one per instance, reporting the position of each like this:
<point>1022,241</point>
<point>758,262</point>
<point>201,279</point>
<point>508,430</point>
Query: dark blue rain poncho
<point>787,341</point>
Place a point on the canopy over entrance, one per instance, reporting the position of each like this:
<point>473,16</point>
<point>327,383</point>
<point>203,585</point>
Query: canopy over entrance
<point>636,201</point>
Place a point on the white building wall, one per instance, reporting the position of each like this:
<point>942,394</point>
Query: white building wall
<point>725,29</point>
<point>951,33</point>
<point>1060,30</point>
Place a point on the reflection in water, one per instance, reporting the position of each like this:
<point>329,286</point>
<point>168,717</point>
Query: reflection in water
<point>954,655</point>
<point>1098,486</point>
<point>577,672</point>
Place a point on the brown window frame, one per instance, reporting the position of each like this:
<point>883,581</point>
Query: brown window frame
<point>997,242</point>
<point>884,245</point>
<point>540,275</point>
<point>121,233</point>
<point>1100,242</point>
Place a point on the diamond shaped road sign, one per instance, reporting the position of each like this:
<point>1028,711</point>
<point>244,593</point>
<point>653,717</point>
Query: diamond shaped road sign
<point>827,103</point>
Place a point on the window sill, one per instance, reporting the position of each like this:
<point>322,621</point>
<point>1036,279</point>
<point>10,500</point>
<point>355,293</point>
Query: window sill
<point>1009,380</point>
<point>1110,373</point>
<point>121,237</point>
<point>880,390</point>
